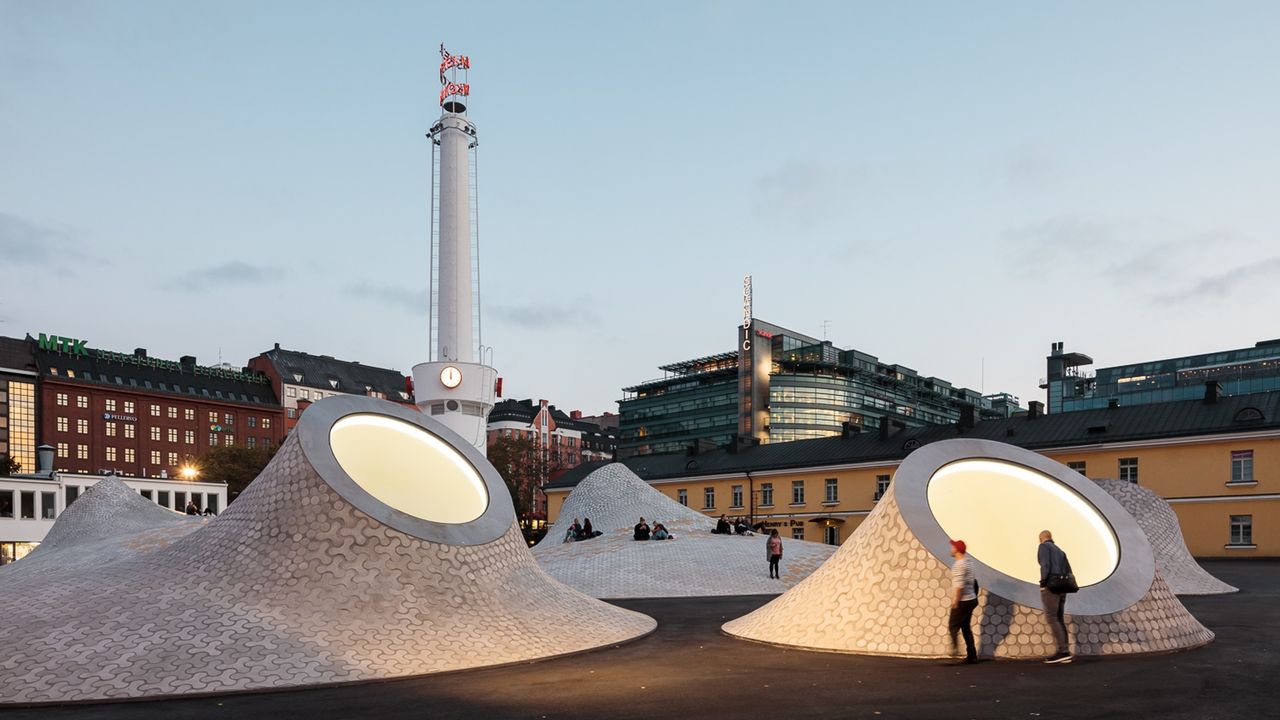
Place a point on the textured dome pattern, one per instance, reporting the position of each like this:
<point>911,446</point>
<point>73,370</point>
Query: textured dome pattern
<point>696,563</point>
<point>290,586</point>
<point>884,593</point>
<point>1180,570</point>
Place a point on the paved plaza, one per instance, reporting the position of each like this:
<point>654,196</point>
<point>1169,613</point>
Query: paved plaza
<point>689,669</point>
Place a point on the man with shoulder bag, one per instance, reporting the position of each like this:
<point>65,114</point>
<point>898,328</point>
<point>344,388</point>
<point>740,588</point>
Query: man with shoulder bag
<point>1056,581</point>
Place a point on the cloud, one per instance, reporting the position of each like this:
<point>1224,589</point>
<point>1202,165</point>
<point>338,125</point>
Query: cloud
<point>1222,285</point>
<point>1029,166</point>
<point>25,243</point>
<point>414,302</point>
<point>803,194</point>
<point>569,314</point>
<point>236,272</point>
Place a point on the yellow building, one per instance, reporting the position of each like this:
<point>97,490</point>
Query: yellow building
<point>1216,461</point>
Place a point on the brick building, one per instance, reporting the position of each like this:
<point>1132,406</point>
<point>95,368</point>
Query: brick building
<point>299,379</point>
<point>142,416</point>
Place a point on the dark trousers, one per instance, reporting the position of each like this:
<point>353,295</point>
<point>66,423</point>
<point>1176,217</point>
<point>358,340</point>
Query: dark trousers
<point>1055,606</point>
<point>773,566</point>
<point>961,616</point>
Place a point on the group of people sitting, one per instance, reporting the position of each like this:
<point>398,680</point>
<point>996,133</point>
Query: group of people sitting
<point>736,526</point>
<point>642,531</point>
<point>582,531</point>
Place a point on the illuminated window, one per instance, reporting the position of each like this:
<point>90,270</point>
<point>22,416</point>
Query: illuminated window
<point>173,459</point>
<point>172,412</point>
<point>708,498</point>
<point>1242,466</point>
<point>129,407</point>
<point>797,492</point>
<point>62,424</point>
<point>62,399</point>
<point>155,434</point>
<point>82,401</point>
<point>189,413</point>
<point>173,435</point>
<point>111,405</point>
<point>229,440</point>
<point>155,411</point>
<point>737,496</point>
<point>832,491</point>
<point>213,418</point>
<point>266,423</point>
<point>766,494</point>
<point>64,450</point>
<point>230,419</point>
<point>82,426</point>
<point>189,437</point>
<point>111,454</point>
<point>213,439</point>
<point>1129,469</point>
<point>1241,530</point>
<point>682,496</point>
<point>129,455</point>
<point>111,429</point>
<point>155,457</point>
<point>130,430</point>
<point>82,452</point>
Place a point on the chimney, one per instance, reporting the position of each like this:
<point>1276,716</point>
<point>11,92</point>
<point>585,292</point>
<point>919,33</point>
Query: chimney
<point>848,429</point>
<point>140,352</point>
<point>277,346</point>
<point>575,414</point>
<point>187,360</point>
<point>968,417</point>
<point>1212,391</point>
<point>1035,409</point>
<point>44,460</point>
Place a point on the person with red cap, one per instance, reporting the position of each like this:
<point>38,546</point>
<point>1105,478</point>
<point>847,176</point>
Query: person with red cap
<point>964,598</point>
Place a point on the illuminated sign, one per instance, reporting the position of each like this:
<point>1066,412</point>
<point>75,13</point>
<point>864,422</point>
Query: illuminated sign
<point>123,418</point>
<point>449,67</point>
<point>57,343</point>
<point>765,334</point>
<point>746,312</point>
<point>73,346</point>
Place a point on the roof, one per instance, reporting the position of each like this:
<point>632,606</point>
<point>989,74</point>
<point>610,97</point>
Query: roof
<point>328,373</point>
<point>1239,413</point>
<point>16,354</point>
<point>526,410</point>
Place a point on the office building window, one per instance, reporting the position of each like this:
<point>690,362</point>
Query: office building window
<point>111,454</point>
<point>213,440</point>
<point>1242,466</point>
<point>171,412</point>
<point>251,421</point>
<point>6,503</point>
<point>129,407</point>
<point>708,498</point>
<point>27,509</point>
<point>173,459</point>
<point>155,410</point>
<point>155,434</point>
<point>882,486</point>
<point>82,452</point>
<point>737,496</point>
<point>766,494</point>
<point>62,399</point>
<point>155,457</point>
<point>82,426</point>
<point>82,401</point>
<point>162,497</point>
<point>1077,465</point>
<point>1241,530</point>
<point>229,440</point>
<point>189,437</point>
<point>111,405</point>
<point>64,450</point>
<point>1129,469</point>
<point>213,418</point>
<point>172,435</point>
<point>682,496</point>
<point>189,413</point>
<point>797,533</point>
<point>266,423</point>
<point>130,430</point>
<point>832,491</point>
<point>62,424</point>
<point>797,492</point>
<point>111,429</point>
<point>291,392</point>
<point>130,455</point>
<point>229,418</point>
<point>73,492</point>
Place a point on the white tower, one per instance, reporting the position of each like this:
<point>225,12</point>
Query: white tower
<point>455,386</point>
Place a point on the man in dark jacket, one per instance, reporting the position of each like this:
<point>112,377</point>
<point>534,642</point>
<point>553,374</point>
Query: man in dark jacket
<point>1053,561</point>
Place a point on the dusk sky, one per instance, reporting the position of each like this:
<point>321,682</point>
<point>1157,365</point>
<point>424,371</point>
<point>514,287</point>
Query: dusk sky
<point>946,186</point>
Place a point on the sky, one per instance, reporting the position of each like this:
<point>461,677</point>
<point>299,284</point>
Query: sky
<point>948,186</point>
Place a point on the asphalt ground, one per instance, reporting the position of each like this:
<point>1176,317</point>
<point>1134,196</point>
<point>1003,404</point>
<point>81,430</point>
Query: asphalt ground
<point>689,669</point>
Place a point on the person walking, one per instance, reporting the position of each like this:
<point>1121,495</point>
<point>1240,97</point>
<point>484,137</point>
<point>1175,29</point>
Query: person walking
<point>1053,561</point>
<point>773,552</point>
<point>964,598</point>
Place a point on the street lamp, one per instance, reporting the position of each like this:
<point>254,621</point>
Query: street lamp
<point>189,473</point>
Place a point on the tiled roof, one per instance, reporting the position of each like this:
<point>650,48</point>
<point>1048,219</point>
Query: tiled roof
<point>333,375</point>
<point>1239,413</point>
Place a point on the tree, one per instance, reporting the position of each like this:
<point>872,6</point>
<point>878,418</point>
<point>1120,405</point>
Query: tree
<point>8,466</point>
<point>525,467</point>
<point>236,466</point>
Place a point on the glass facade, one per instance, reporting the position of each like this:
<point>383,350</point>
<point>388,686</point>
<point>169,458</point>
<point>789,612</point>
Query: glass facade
<point>22,424</point>
<point>1239,372</point>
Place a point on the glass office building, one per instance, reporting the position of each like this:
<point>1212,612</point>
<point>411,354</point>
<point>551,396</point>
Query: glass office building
<point>1237,372</point>
<point>780,385</point>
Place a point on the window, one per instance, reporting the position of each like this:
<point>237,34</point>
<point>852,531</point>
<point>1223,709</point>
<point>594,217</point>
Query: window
<point>129,407</point>
<point>1242,466</point>
<point>130,430</point>
<point>73,492</point>
<point>737,496</point>
<point>229,440</point>
<point>48,505</point>
<point>111,454</point>
<point>291,392</point>
<point>111,405</point>
<point>306,394</point>
<point>1241,530</point>
<point>180,501</point>
<point>111,429</point>
<point>831,535</point>
<point>1077,465</point>
<point>28,508</point>
<point>766,494</point>
<point>213,440</point>
<point>797,492</point>
<point>708,498</point>
<point>172,412</point>
<point>82,452</point>
<point>64,450</point>
<point>173,459</point>
<point>1129,469</point>
<point>62,399</point>
<point>230,419</point>
<point>211,503</point>
<point>882,486</point>
<point>266,423</point>
<point>162,497</point>
<point>62,424</point>
<point>155,457</point>
<point>293,412</point>
<point>682,496</point>
<point>189,437</point>
<point>832,491</point>
<point>155,411</point>
<point>189,413</point>
<point>213,418</point>
<point>130,455</point>
<point>82,426</point>
<point>251,421</point>
<point>155,434</point>
<point>797,533</point>
<point>6,503</point>
<point>82,401</point>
